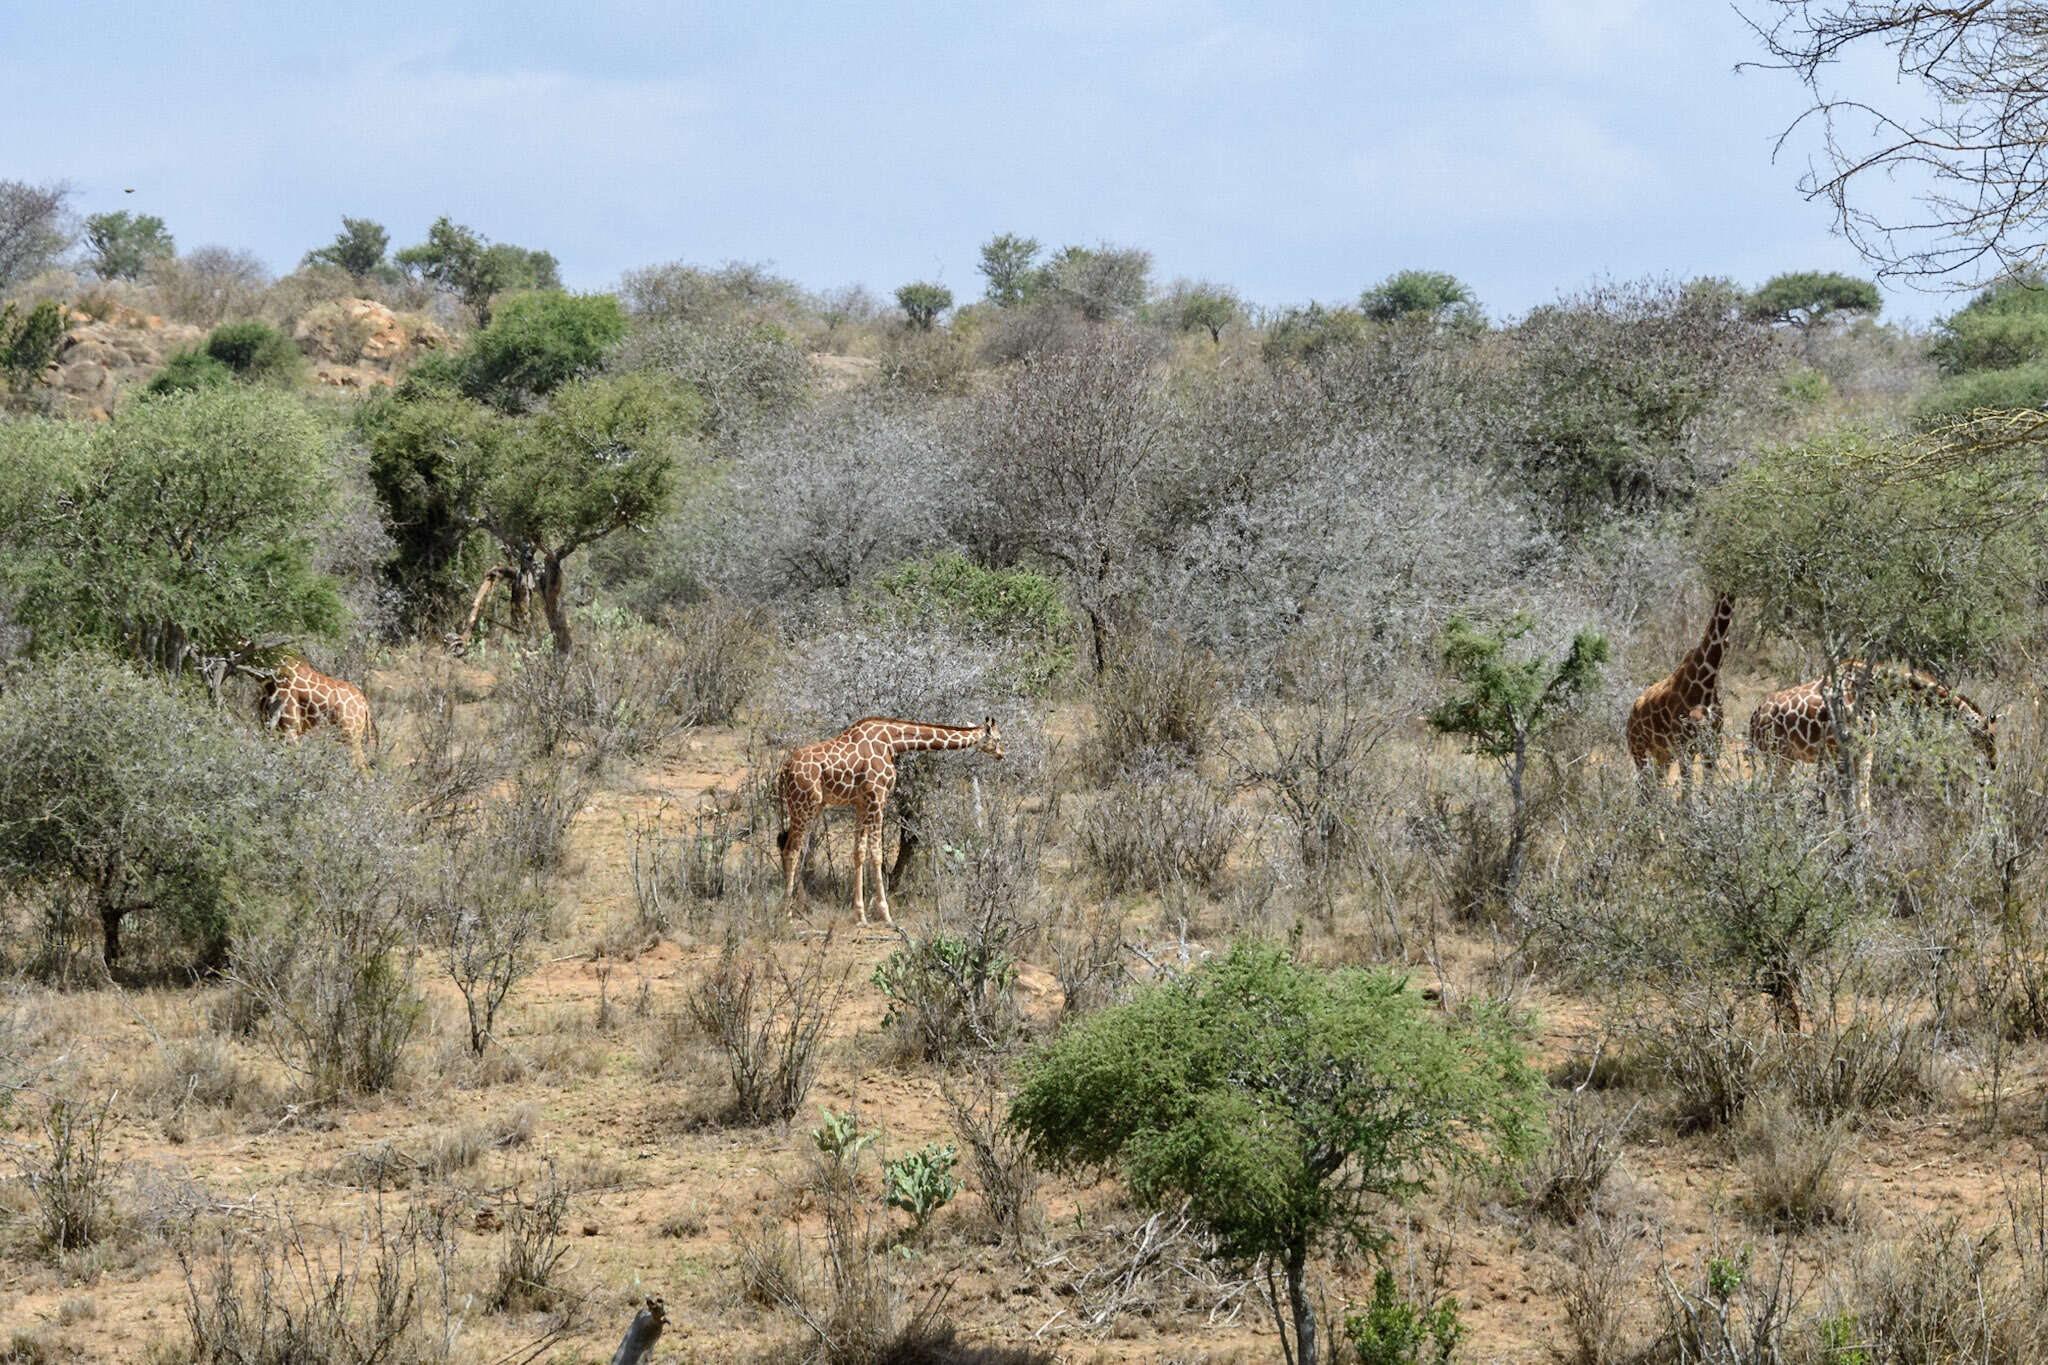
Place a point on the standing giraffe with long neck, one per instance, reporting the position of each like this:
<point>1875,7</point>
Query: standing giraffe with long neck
<point>1799,725</point>
<point>1680,715</point>
<point>857,767</point>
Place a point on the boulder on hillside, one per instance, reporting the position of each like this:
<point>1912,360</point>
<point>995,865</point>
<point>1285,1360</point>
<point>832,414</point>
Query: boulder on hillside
<point>361,332</point>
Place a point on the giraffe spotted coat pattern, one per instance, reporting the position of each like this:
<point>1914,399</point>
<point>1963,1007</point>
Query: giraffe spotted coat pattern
<point>1798,725</point>
<point>297,697</point>
<point>1680,715</point>
<point>857,767</point>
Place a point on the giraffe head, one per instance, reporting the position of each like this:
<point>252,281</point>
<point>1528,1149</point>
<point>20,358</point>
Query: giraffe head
<point>990,742</point>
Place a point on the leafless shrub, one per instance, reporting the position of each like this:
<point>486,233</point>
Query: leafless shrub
<point>1794,1164</point>
<point>1600,1286</point>
<point>205,1073</point>
<point>1088,959</point>
<point>768,1265</point>
<point>383,1296</point>
<point>1159,696</point>
<point>1126,1262</point>
<point>530,821</point>
<point>325,971</point>
<point>1316,751</point>
<point>769,1022</point>
<point>723,651</point>
<point>209,285</point>
<point>1730,1311</point>
<point>748,372</point>
<point>69,1176</point>
<point>488,912</point>
<point>1586,1138</point>
<point>529,1272</point>
<point>1006,1177</point>
<point>1161,826</point>
<point>447,774</point>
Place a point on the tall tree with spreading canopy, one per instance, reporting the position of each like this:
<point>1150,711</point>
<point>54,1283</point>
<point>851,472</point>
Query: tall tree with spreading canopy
<point>475,269</point>
<point>1290,1108</point>
<point>120,246</point>
<point>601,458</point>
<point>1806,297</point>
<point>1009,263</point>
<point>922,302</point>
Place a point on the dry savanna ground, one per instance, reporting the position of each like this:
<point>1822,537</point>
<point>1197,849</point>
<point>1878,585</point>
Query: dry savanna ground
<point>586,1159</point>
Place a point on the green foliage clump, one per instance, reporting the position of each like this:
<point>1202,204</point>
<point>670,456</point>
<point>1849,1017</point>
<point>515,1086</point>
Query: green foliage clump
<point>1017,607</point>
<point>922,302</point>
<point>535,343</point>
<point>1286,1105</point>
<point>1394,1331</point>
<point>121,246</point>
<point>28,343</point>
<point>1506,705</point>
<point>1431,295</point>
<point>949,992</point>
<point>1859,550</point>
<point>1803,298</point>
<point>255,351</point>
<point>2008,390</point>
<point>2005,325</point>
<point>1009,263</point>
<point>174,530</point>
<point>1206,308</point>
<point>189,372</point>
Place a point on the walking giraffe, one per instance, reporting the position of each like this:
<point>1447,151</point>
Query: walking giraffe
<point>1798,725</point>
<point>857,767</point>
<point>297,697</point>
<point>1680,715</point>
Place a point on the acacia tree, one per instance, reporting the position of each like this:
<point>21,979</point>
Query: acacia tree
<point>475,269</point>
<point>1287,1106</point>
<point>1506,705</point>
<point>122,245</point>
<point>175,530</point>
<point>1009,263</point>
<point>1970,146</point>
<point>601,458</point>
<point>359,248</point>
<point>1803,298</point>
<point>922,302</point>
<point>1434,295</point>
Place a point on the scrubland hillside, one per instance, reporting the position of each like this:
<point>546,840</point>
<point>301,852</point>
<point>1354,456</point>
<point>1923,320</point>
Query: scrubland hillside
<point>1314,968</point>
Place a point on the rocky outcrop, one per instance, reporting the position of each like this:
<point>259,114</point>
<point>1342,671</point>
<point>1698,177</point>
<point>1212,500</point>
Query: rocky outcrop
<point>360,334</point>
<point>99,359</point>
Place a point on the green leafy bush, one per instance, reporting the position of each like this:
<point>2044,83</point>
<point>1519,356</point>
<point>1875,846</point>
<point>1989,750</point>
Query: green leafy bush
<point>255,351</point>
<point>1014,606</point>
<point>535,343</point>
<point>188,372</point>
<point>1286,1106</point>
<point>1395,1331</point>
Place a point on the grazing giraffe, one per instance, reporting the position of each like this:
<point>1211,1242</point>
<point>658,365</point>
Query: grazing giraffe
<point>1680,715</point>
<point>1797,724</point>
<point>297,697</point>
<point>857,767</point>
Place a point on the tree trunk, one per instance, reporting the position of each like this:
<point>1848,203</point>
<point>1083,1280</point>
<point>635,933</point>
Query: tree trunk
<point>551,601</point>
<point>906,849</point>
<point>1518,824</point>
<point>1304,1314</point>
<point>503,573</point>
<point>110,929</point>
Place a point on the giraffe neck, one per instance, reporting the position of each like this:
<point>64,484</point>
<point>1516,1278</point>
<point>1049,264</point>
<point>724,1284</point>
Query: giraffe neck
<point>906,737</point>
<point>1699,673</point>
<point>1889,681</point>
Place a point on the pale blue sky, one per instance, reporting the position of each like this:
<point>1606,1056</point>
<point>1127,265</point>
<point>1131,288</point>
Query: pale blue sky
<point>1294,150</point>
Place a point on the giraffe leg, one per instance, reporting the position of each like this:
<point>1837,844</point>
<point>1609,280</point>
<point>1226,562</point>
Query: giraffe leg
<point>881,880</point>
<point>1863,766</point>
<point>860,867</point>
<point>792,861</point>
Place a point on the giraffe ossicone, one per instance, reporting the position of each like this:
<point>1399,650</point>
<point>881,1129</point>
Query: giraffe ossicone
<point>857,767</point>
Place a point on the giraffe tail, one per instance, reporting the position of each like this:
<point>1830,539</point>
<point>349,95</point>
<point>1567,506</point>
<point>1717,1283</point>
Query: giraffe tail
<point>782,841</point>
